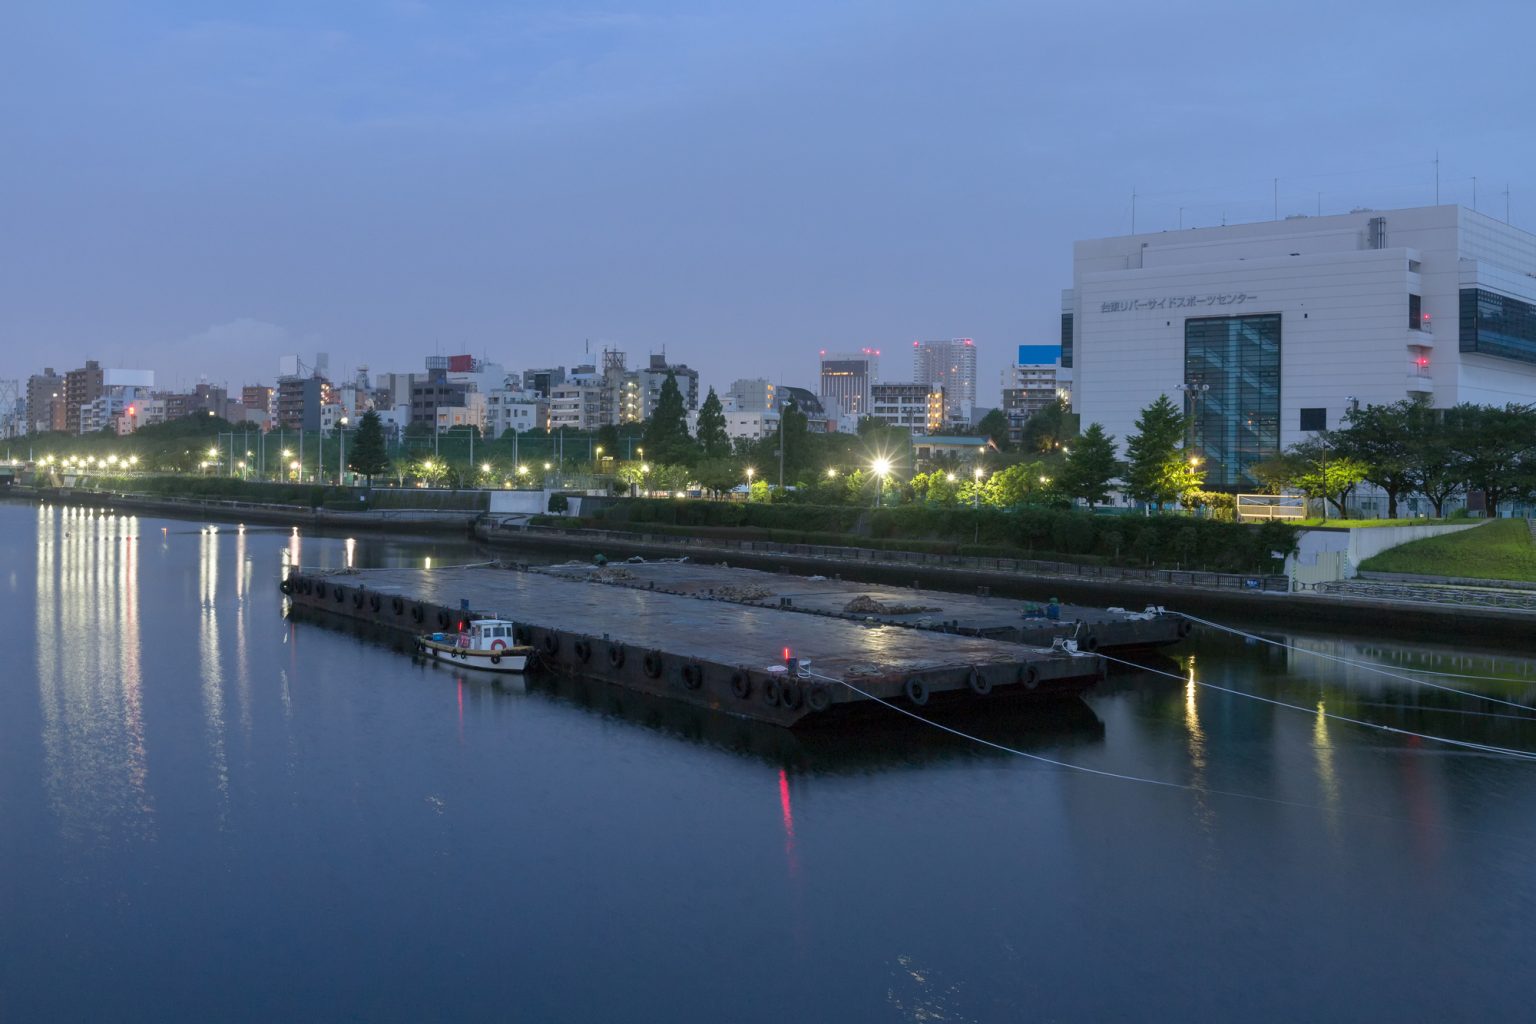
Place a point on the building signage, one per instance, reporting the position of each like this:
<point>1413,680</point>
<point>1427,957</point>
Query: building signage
<point>1178,302</point>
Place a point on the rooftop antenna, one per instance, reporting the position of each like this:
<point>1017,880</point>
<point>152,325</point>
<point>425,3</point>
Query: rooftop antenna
<point>1506,202</point>
<point>1133,209</point>
<point>1437,177</point>
<point>1277,198</point>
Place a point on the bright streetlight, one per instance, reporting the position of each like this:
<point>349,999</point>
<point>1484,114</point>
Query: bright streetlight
<point>831,472</point>
<point>882,468</point>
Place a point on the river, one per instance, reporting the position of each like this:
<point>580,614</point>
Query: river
<point>210,813</point>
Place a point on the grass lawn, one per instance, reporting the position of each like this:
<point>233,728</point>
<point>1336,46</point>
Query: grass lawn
<point>1499,550</point>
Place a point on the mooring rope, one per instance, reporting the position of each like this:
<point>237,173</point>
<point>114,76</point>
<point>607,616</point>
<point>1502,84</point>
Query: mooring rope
<point>1055,763</point>
<point>1523,755</point>
<point>1367,666</point>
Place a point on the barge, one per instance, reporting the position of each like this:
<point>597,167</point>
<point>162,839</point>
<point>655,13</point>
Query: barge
<point>738,659</point>
<point>1035,623</point>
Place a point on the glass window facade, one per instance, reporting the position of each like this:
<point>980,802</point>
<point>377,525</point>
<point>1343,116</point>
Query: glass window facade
<point>1066,340</point>
<point>1234,364</point>
<point>1496,325</point>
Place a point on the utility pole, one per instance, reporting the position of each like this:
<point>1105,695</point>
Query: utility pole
<point>781,452</point>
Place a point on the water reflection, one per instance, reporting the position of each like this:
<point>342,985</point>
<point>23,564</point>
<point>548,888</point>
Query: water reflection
<point>211,672</point>
<point>90,681</point>
<point>1195,744</point>
<point>1322,746</point>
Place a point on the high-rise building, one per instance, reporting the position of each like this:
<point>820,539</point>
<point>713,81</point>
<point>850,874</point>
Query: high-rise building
<point>648,382</point>
<point>81,388</point>
<point>45,402</point>
<point>846,378</point>
<point>300,402</point>
<point>1032,384</point>
<point>1268,333</point>
<point>949,364</point>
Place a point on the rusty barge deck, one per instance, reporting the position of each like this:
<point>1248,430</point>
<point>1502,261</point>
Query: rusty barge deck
<point>723,656</point>
<point>995,618</point>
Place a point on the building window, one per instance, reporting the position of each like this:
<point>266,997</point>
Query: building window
<point>1314,419</point>
<point>1235,415</point>
<point>1415,313</point>
<point>1066,340</point>
<point>1496,325</point>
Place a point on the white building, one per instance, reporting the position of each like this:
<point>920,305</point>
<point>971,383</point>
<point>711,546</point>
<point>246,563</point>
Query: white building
<point>918,408</point>
<point>1270,332</point>
<point>749,394</point>
<point>583,401</point>
<point>1032,384</point>
<point>513,410</point>
<point>751,425</point>
<point>951,365</point>
<point>470,414</point>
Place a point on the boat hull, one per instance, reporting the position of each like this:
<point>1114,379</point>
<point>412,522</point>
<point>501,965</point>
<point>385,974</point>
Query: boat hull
<point>506,659</point>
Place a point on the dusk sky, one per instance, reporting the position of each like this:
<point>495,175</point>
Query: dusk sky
<point>198,187</point>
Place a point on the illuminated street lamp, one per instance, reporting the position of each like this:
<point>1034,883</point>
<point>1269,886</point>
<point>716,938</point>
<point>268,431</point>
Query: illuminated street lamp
<point>976,491</point>
<point>831,472</point>
<point>882,469</point>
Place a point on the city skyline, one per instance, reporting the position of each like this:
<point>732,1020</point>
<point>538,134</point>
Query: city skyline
<point>739,189</point>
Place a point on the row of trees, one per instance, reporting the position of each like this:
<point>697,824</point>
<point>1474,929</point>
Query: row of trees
<point>1408,448</point>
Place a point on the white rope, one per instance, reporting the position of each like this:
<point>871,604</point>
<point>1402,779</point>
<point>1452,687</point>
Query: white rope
<point>1367,666</point>
<point>1054,762</point>
<point>1484,748</point>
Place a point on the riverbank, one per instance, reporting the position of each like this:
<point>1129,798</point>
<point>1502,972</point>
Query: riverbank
<point>1253,602</point>
<point>413,521</point>
<point>1204,595</point>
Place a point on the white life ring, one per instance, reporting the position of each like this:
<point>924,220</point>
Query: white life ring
<point>497,645</point>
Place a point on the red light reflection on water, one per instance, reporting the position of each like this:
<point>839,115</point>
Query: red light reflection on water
<point>789,824</point>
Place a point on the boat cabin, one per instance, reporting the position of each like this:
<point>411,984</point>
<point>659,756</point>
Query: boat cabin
<point>483,634</point>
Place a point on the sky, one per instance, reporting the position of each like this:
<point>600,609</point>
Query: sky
<point>199,187</point>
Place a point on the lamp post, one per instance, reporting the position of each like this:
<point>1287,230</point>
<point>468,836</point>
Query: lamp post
<point>882,468</point>
<point>341,460</point>
<point>976,490</point>
<point>1194,391</point>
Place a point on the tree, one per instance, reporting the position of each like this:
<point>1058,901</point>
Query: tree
<point>368,455</point>
<point>1090,466</point>
<point>994,425</point>
<point>1156,466</point>
<point>1434,467</point>
<point>937,487</point>
<point>713,440</point>
<point>718,475</point>
<point>608,439</point>
<point>1019,484</point>
<point>666,432</point>
<point>1382,437</point>
<point>1496,449</point>
<point>1320,469</point>
<point>1048,429</point>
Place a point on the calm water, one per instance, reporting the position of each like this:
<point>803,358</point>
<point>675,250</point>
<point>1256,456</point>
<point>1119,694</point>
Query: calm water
<point>207,813</point>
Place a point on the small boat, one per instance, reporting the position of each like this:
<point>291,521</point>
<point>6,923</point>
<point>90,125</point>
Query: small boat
<point>482,643</point>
